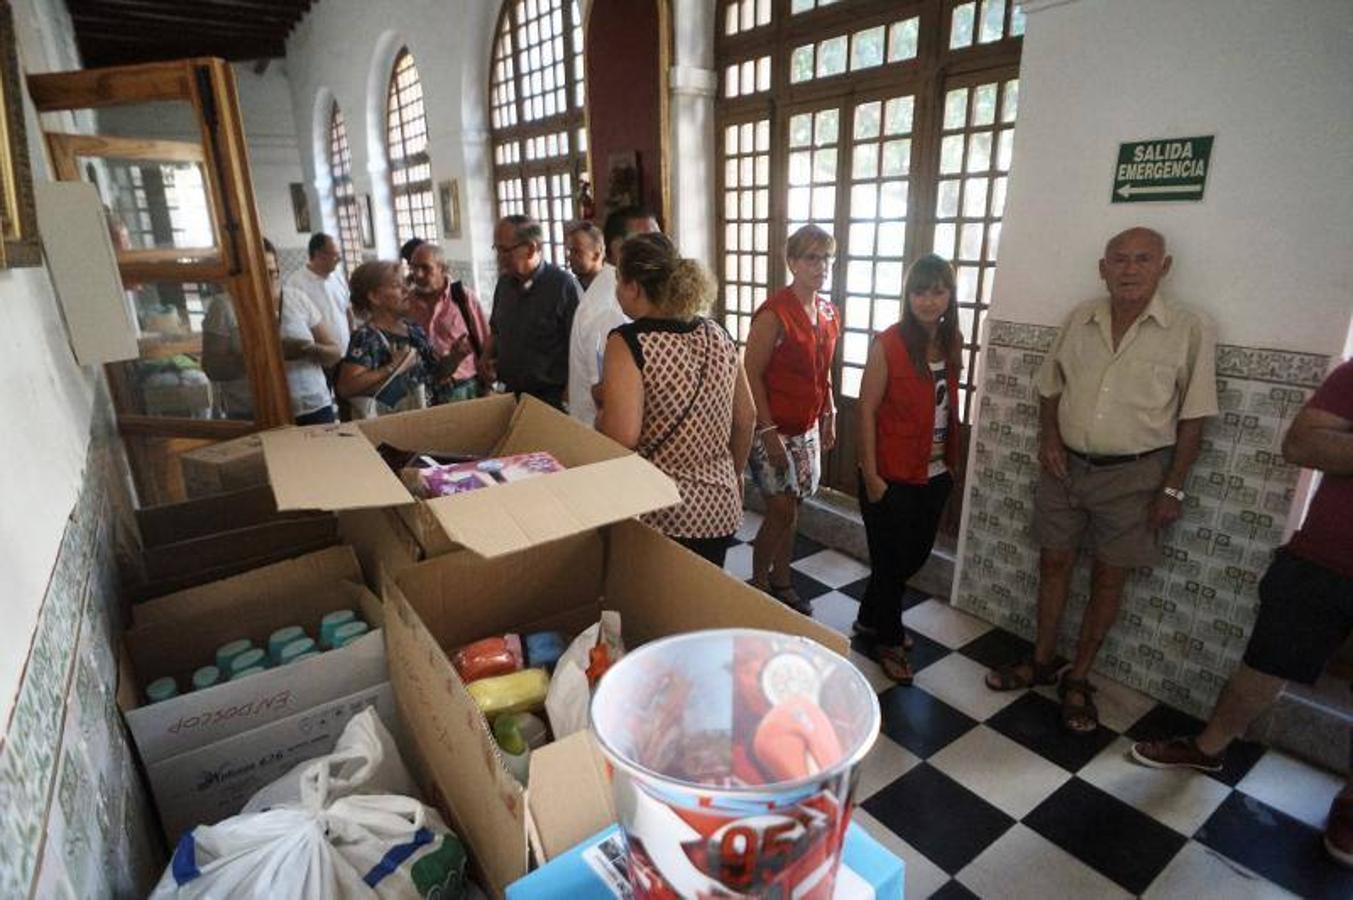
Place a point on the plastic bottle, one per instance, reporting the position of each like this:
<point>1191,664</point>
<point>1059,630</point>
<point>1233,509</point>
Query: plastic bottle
<point>248,660</point>
<point>205,677</point>
<point>280,638</point>
<point>530,726</point>
<point>346,634</point>
<point>330,623</point>
<point>516,752</point>
<point>227,652</point>
<point>162,689</point>
<point>291,651</point>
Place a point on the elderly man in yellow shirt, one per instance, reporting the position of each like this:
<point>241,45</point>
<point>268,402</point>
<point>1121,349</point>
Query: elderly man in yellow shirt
<point>1123,395</point>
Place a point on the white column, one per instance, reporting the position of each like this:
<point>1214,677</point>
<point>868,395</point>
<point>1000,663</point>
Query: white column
<point>692,85</point>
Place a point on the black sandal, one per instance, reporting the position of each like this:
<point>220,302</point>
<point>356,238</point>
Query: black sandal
<point>1078,717</point>
<point>869,633</point>
<point>1009,678</point>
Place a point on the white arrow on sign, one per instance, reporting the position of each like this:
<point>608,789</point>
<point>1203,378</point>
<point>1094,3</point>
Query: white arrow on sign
<point>1128,190</point>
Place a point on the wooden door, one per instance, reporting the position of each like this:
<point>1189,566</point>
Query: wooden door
<point>183,219</point>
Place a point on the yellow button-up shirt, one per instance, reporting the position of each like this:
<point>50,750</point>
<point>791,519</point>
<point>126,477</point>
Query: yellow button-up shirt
<point>1130,400</point>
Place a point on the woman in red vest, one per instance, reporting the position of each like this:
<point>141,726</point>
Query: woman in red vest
<point>908,450</point>
<point>789,364</point>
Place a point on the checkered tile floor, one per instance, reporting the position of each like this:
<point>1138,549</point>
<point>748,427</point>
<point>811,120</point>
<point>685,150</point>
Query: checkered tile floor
<point>984,794</point>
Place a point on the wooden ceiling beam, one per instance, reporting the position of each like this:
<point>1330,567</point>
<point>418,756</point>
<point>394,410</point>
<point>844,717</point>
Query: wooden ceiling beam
<point>170,29</point>
<point>283,16</point>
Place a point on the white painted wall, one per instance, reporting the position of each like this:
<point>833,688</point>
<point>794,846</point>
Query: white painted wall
<point>47,400</point>
<point>344,49</point>
<point>269,131</point>
<point>1267,252</point>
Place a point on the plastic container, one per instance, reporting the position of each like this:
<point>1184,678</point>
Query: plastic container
<point>248,660</point>
<point>245,673</point>
<point>295,649</point>
<point>281,638</point>
<point>162,689</point>
<point>529,727</point>
<point>205,677</point>
<point>516,751</point>
<point>307,655</point>
<point>519,692</point>
<point>544,648</point>
<point>227,652</point>
<point>349,632</point>
<point>330,623</point>
<point>732,755</point>
<point>486,658</point>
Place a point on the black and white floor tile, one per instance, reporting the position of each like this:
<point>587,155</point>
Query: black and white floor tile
<point>984,794</point>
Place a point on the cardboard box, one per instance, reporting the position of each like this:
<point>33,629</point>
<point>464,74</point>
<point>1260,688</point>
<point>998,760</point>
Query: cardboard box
<point>211,783</point>
<point>596,870</point>
<point>336,467</point>
<point>273,584</point>
<point>177,635</point>
<point>173,523</point>
<point>658,587</point>
<point>227,466</point>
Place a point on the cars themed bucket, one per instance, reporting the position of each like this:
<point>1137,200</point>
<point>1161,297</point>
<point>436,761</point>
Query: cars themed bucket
<point>733,756</point>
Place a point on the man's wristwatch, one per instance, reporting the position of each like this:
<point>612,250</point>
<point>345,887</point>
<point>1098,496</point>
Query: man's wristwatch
<point>1175,493</point>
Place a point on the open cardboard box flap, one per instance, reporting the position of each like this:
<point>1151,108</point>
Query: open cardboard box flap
<point>269,583</point>
<point>432,608</point>
<point>337,467</point>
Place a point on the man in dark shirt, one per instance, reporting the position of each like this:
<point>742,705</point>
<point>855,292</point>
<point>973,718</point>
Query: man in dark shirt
<point>533,308</point>
<point>1305,603</point>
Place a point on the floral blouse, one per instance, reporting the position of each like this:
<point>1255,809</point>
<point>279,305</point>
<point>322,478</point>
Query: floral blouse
<point>371,348</point>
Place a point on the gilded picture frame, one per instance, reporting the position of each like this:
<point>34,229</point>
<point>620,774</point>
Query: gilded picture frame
<point>18,208</point>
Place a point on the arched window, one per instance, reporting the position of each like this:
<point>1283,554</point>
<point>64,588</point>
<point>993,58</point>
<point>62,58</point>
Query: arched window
<point>888,123</point>
<point>345,197</point>
<point>406,142</point>
<point>537,100</point>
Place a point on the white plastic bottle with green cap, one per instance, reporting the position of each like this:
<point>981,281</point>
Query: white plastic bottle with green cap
<point>296,648</point>
<point>248,660</point>
<point>227,652</point>
<point>280,638</point>
<point>162,689</point>
<point>330,623</point>
<point>346,634</point>
<point>205,677</point>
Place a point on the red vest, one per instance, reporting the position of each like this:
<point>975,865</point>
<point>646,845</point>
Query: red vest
<point>905,425</point>
<point>796,376</point>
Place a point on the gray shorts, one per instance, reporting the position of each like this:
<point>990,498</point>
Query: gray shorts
<point>1107,503</point>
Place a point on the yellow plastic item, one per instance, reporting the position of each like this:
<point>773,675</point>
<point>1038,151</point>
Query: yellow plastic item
<point>518,692</point>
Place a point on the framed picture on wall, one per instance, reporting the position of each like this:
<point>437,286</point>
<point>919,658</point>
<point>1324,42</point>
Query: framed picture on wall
<point>19,241</point>
<point>300,208</point>
<point>449,192</point>
<point>366,224</point>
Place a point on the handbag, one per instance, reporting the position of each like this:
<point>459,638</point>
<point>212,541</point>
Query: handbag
<point>371,406</point>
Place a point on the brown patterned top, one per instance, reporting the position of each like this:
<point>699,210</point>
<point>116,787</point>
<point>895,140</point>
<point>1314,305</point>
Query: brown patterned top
<point>689,374</point>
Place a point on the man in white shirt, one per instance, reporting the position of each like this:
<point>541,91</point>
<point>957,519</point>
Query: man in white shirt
<point>599,312</point>
<point>320,281</point>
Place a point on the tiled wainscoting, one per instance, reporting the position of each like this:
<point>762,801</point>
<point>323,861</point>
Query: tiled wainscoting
<point>76,820</point>
<point>1185,623</point>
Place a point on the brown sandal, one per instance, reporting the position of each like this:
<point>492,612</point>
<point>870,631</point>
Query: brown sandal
<point>1078,717</point>
<point>894,662</point>
<point>790,597</point>
<point>1009,678</point>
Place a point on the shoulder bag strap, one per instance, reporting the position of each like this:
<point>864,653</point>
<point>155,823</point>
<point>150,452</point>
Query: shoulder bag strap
<point>672,429</point>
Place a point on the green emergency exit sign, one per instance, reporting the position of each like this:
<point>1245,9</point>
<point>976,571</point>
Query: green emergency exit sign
<point>1163,169</point>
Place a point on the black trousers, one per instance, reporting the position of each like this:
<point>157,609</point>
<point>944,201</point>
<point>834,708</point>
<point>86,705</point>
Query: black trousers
<point>713,549</point>
<point>900,529</point>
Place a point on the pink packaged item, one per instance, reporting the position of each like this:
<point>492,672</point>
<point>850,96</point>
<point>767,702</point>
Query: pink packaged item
<point>443,481</point>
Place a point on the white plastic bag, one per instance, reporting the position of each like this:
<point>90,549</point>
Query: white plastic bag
<point>364,761</point>
<point>569,696</point>
<point>325,836</point>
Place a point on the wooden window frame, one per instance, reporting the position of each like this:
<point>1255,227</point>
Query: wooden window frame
<point>413,201</point>
<point>544,187</point>
<point>926,77</point>
<point>344,193</point>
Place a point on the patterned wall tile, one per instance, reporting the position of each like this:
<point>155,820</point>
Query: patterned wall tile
<point>77,822</point>
<point>1183,624</point>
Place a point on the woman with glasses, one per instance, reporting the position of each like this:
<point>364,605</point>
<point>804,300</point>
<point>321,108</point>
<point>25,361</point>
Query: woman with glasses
<point>908,450</point>
<point>789,364</point>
